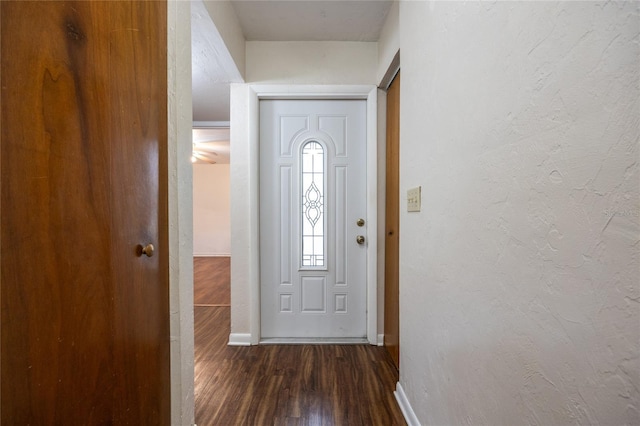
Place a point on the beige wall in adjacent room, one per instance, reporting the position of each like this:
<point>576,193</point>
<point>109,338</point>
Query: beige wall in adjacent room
<point>211,210</point>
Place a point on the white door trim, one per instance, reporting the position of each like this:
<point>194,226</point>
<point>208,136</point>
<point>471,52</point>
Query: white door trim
<point>366,92</point>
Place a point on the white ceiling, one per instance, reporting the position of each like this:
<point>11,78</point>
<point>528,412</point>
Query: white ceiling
<point>270,20</point>
<point>311,20</point>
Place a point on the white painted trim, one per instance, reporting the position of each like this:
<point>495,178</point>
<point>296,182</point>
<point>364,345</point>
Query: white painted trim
<point>211,255</point>
<point>408,413</point>
<point>317,341</point>
<point>239,339</point>
<point>392,71</point>
<point>211,124</point>
<point>281,91</point>
<point>254,223</point>
<point>372,215</point>
<point>380,339</point>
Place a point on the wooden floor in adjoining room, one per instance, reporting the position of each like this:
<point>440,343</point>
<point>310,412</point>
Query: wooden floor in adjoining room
<point>211,276</point>
<point>288,384</point>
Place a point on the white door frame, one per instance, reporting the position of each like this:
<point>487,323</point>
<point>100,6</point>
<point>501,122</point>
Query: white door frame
<point>366,92</point>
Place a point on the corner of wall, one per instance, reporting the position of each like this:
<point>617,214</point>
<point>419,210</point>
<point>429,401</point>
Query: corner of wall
<point>225,19</point>
<point>389,42</point>
<point>405,406</point>
<point>240,203</point>
<point>179,205</point>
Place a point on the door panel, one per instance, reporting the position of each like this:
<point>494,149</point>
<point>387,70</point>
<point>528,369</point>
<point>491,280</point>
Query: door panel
<point>392,225</point>
<point>55,282</point>
<point>312,193</point>
<point>84,319</point>
<point>138,175</point>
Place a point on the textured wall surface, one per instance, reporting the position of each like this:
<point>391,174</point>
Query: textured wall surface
<point>520,276</point>
<point>319,62</point>
<point>226,22</point>
<point>180,205</point>
<point>243,237</point>
<point>211,210</point>
<point>389,41</point>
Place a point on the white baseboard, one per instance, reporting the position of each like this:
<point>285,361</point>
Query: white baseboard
<point>239,339</point>
<point>210,255</point>
<point>409,416</point>
<point>312,341</point>
<point>380,339</point>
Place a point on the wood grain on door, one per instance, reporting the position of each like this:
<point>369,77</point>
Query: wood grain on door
<point>85,317</point>
<point>392,226</point>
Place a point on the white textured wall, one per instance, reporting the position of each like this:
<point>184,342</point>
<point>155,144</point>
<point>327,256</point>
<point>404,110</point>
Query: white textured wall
<point>389,41</point>
<point>179,123</point>
<point>211,210</point>
<point>520,277</point>
<point>244,237</point>
<point>226,22</point>
<point>320,62</point>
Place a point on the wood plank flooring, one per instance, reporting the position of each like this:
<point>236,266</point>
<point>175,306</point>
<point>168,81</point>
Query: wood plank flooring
<point>211,276</point>
<point>288,384</point>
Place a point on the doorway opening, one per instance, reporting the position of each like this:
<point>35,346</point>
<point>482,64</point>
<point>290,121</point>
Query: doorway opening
<point>211,216</point>
<point>246,225</point>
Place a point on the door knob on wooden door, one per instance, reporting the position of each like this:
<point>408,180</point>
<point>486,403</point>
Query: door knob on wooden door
<point>148,250</point>
<point>360,239</point>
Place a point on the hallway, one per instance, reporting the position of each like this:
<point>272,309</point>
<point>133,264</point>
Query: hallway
<point>287,384</point>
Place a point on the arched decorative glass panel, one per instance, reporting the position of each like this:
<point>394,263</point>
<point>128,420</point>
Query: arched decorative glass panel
<point>312,194</point>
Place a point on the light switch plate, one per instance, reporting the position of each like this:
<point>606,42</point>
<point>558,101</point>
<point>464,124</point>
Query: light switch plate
<point>413,199</point>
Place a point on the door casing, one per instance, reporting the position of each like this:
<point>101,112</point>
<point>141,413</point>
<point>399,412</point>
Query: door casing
<point>311,92</point>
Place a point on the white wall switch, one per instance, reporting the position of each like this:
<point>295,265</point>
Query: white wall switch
<point>413,199</point>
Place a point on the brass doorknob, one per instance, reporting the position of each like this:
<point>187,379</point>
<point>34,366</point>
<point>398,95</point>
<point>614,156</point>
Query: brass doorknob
<point>360,239</point>
<point>148,250</point>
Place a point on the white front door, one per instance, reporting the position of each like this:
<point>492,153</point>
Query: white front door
<point>313,227</point>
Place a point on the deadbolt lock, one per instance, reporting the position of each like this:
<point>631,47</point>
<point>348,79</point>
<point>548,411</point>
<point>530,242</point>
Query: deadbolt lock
<point>360,222</point>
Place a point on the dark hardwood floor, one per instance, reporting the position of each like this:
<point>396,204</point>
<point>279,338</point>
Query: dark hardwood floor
<point>211,277</point>
<point>288,384</point>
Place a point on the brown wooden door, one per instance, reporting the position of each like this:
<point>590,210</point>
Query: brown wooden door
<point>85,316</point>
<point>392,224</point>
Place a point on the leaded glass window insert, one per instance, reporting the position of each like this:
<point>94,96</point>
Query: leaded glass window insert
<point>313,217</point>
